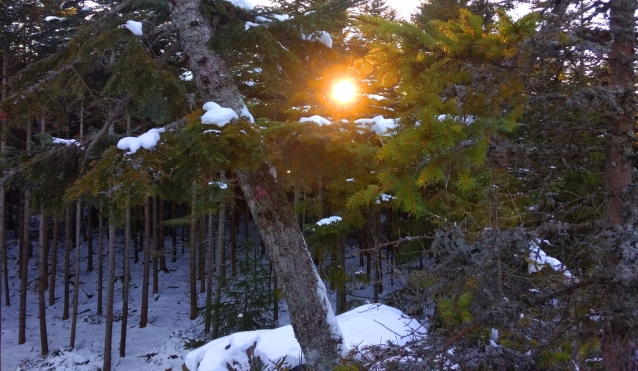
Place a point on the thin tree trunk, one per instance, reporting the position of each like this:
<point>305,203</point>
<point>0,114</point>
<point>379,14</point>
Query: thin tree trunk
<point>209,272</point>
<point>161,245</point>
<point>44,342</point>
<point>100,259</point>
<point>233,240</point>
<point>24,261</point>
<point>173,233</point>
<point>313,321</point>
<point>110,288</point>
<point>54,258</point>
<point>155,249</point>
<point>126,278</point>
<point>67,260</point>
<point>193,275</point>
<point>341,283</point>
<point>147,261</point>
<point>219,263</point>
<point>76,280</point>
<point>201,254</point>
<point>89,239</point>
<point>3,208</point>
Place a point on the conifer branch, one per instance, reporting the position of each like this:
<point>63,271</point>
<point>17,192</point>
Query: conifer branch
<point>115,113</point>
<point>161,61</point>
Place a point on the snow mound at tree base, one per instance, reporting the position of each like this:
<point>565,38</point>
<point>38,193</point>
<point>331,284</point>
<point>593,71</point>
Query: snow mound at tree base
<point>370,324</point>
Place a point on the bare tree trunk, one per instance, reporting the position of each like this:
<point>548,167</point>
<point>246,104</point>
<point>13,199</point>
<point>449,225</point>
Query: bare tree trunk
<point>44,342</point>
<point>161,245</point>
<point>312,318</point>
<point>193,275</point>
<point>619,344</point>
<point>54,258</point>
<point>126,278</point>
<point>209,273</point>
<point>76,280</point>
<point>341,283</point>
<point>155,248</point>
<point>24,260</point>
<point>110,288</point>
<point>147,261</point>
<point>67,260</point>
<point>219,262</point>
<point>201,247</point>
<point>89,239</point>
<point>3,209</point>
<point>173,233</point>
<point>233,240</point>
<point>100,260</point>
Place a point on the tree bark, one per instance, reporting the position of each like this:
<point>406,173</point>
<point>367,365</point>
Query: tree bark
<point>67,261</point>
<point>219,263</point>
<point>147,261</point>
<point>44,342</point>
<point>192,261</point>
<point>209,272</point>
<point>201,254</point>
<point>110,288</point>
<point>3,233</point>
<point>155,248</point>
<point>100,260</point>
<point>54,258</point>
<point>126,278</point>
<point>311,315</point>
<point>160,233</point>
<point>618,344</point>
<point>24,260</point>
<point>173,233</point>
<point>89,239</point>
<point>76,280</point>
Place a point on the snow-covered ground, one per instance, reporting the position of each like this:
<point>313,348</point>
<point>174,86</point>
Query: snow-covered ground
<point>159,346</point>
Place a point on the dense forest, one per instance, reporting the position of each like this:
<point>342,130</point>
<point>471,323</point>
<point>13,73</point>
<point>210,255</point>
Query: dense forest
<point>489,156</point>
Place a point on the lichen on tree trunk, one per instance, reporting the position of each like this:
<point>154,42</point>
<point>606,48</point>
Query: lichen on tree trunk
<point>313,321</point>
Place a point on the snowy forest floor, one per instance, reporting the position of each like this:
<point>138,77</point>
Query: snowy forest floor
<point>159,346</point>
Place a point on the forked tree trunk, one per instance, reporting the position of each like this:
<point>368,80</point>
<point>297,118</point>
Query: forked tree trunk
<point>147,261</point>
<point>44,342</point>
<point>311,315</point>
<point>110,287</point>
<point>126,278</point>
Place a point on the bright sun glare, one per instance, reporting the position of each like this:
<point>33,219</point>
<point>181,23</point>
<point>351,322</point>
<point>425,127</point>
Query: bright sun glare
<point>344,91</point>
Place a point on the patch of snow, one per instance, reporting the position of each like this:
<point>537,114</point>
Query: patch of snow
<point>186,76</point>
<point>377,124</point>
<point>244,4</point>
<point>135,27</point>
<point>66,142</point>
<point>371,324</point>
<point>53,18</point>
<point>350,180</point>
<point>273,172</point>
<point>221,185</point>
<point>250,24</point>
<point>217,115</point>
<point>537,259</point>
<point>321,36</point>
<point>330,220</point>
<point>245,113</point>
<point>317,119</point>
<point>376,97</point>
<point>147,140</point>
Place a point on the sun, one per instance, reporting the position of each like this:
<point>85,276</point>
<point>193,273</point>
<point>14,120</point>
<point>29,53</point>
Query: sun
<point>344,91</point>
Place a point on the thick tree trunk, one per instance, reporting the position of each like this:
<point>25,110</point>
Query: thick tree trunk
<point>619,344</point>
<point>44,342</point>
<point>3,233</point>
<point>173,233</point>
<point>110,288</point>
<point>311,315</point>
<point>126,278</point>
<point>76,280</point>
<point>201,254</point>
<point>147,261</point>
<point>160,235</point>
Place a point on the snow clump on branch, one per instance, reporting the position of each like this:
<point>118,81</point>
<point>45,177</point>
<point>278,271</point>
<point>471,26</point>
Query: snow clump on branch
<point>331,220</point>
<point>218,115</point>
<point>147,140</point>
<point>135,27</point>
